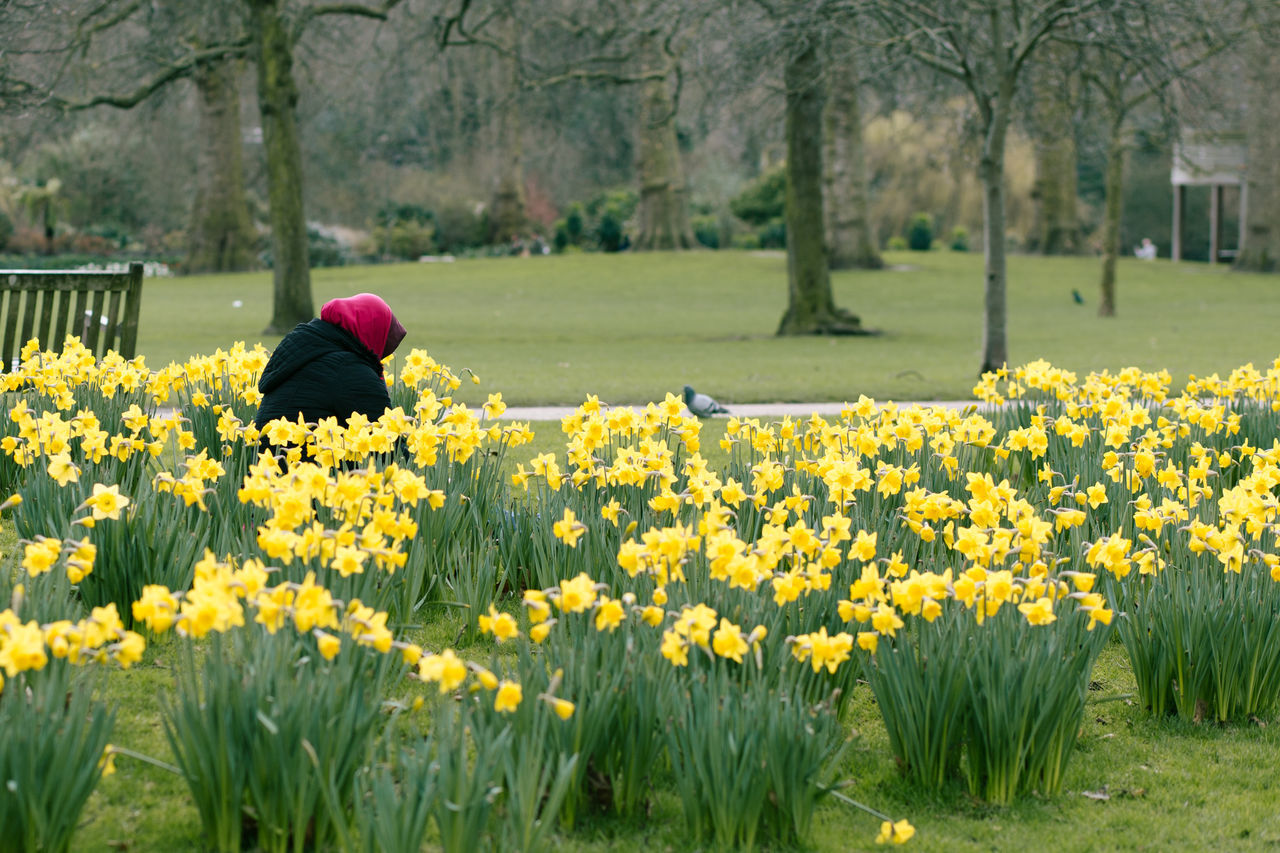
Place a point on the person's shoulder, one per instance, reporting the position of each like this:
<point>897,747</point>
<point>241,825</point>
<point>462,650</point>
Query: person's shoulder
<point>349,362</point>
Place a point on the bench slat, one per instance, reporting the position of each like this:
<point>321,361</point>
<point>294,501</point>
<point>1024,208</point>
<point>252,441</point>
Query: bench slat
<point>93,331</point>
<point>78,326</point>
<point>54,280</point>
<point>12,300</point>
<point>28,318</point>
<point>46,316</point>
<point>64,314</point>
<point>109,331</point>
<point>63,285</point>
<point>132,311</point>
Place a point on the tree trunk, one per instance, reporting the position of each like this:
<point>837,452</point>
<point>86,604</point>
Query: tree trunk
<point>849,239</point>
<point>49,218</point>
<point>810,307</point>
<point>507,214</point>
<point>277,100</point>
<point>1114,209</point>
<point>664,206</point>
<point>1057,229</point>
<point>995,347</point>
<point>1057,226</point>
<point>1261,249</point>
<point>222,237</point>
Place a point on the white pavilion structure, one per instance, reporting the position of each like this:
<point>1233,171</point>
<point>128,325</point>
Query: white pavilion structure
<point>1216,161</point>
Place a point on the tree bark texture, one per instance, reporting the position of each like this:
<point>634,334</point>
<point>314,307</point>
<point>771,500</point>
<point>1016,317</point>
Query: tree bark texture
<point>1114,210</point>
<point>849,240</point>
<point>221,237</point>
<point>810,306</point>
<point>1057,224</point>
<point>277,101</point>
<point>507,215</point>
<point>1261,250</point>
<point>995,346</point>
<point>664,203</point>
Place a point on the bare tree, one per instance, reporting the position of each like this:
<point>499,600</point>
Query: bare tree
<point>221,237</point>
<point>797,35</point>
<point>507,214</point>
<point>811,307</point>
<point>137,50</point>
<point>1133,56</point>
<point>664,203</point>
<point>609,43</point>
<point>1261,249</point>
<point>845,196</point>
<point>1051,120</point>
<point>265,31</point>
<point>985,45</point>
<point>275,27</point>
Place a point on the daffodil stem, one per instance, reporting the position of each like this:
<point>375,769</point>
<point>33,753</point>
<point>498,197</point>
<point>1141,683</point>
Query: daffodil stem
<point>1116,698</point>
<point>163,765</point>
<point>857,805</point>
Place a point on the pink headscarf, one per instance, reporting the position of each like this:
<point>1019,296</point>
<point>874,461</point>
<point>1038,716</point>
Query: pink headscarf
<point>368,318</point>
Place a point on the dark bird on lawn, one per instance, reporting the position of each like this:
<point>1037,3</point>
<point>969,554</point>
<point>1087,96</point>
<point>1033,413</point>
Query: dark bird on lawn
<point>701,404</point>
<point>1076,297</point>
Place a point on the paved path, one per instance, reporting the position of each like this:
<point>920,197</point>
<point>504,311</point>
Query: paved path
<point>745,410</point>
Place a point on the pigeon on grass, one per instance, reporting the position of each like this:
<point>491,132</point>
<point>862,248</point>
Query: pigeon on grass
<point>702,405</point>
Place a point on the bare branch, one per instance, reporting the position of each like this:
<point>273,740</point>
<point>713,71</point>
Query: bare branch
<point>1049,17</point>
<point>175,71</point>
<point>310,13</point>
<point>453,21</point>
<point>469,37</point>
<point>106,24</point>
<point>584,74</point>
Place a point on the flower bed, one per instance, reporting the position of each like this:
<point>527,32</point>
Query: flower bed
<point>636,618</point>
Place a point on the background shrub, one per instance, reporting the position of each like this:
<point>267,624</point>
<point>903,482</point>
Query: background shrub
<point>920,233</point>
<point>459,226</point>
<point>774,234</point>
<point>706,230</point>
<point>763,200</point>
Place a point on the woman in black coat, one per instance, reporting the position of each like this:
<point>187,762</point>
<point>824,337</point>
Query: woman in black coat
<point>332,366</point>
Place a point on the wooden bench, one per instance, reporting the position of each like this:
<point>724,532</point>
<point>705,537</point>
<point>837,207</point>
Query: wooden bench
<point>104,314</point>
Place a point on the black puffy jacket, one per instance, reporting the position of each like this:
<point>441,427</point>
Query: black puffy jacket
<point>322,371</point>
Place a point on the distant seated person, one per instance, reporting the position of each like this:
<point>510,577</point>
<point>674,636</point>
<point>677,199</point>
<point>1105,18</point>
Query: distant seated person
<point>331,367</point>
<point>1147,251</point>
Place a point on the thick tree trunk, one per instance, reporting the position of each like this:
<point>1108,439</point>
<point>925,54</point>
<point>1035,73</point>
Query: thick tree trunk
<point>1261,249</point>
<point>1114,210</point>
<point>810,307</point>
<point>849,240</point>
<point>995,347</point>
<point>1057,228</point>
<point>277,100</point>
<point>222,237</point>
<point>664,205</point>
<point>507,214</point>
<point>1057,225</point>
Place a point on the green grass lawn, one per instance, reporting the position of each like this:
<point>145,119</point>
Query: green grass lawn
<point>632,327</point>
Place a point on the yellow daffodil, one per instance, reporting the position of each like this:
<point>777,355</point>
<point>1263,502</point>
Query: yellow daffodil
<point>508,697</point>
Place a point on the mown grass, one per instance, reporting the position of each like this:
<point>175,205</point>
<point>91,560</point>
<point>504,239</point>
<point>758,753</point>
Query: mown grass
<point>631,328</point>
